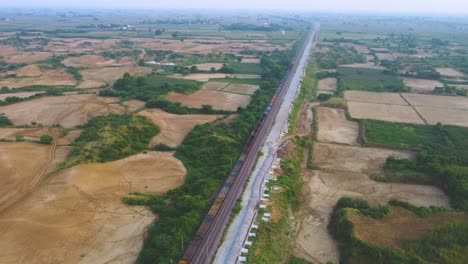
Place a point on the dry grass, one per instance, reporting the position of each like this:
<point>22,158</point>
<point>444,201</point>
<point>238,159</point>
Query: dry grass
<point>20,95</point>
<point>174,128</point>
<point>377,98</point>
<point>450,72</point>
<point>248,89</point>
<point>400,224</point>
<point>385,112</point>
<point>88,61</point>
<point>334,127</point>
<point>55,77</point>
<point>25,57</point>
<point>327,84</point>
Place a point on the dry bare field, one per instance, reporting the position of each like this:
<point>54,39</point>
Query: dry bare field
<point>67,110</point>
<point>209,94</point>
<point>29,71</point>
<point>385,112</point>
<point>25,164</point>
<point>422,85</point>
<point>94,78</point>
<point>174,128</point>
<point>25,57</point>
<point>450,72</point>
<point>53,77</point>
<point>250,60</point>
<point>377,98</point>
<point>334,127</point>
<point>327,84</point>
<point>204,77</point>
<point>248,89</point>
<point>88,61</point>
<point>133,105</point>
<point>446,116</point>
<point>20,95</point>
<point>77,215</point>
<point>345,171</point>
<point>208,66</point>
<point>369,65</point>
<point>437,101</point>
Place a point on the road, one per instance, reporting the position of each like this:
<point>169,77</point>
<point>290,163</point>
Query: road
<point>209,245</point>
<point>238,231</point>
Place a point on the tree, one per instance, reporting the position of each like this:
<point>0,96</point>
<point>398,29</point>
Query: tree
<point>46,139</point>
<point>207,109</point>
<point>141,62</point>
<point>158,32</point>
<point>4,121</point>
<point>19,138</point>
<point>194,69</point>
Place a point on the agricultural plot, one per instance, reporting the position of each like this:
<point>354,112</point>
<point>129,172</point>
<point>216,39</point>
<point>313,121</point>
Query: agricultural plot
<point>237,88</point>
<point>88,61</point>
<point>368,65</point>
<point>208,66</point>
<point>95,78</point>
<point>376,98</point>
<point>334,127</point>
<point>83,206</point>
<point>449,72</point>
<point>19,95</point>
<point>25,57</point>
<point>385,112</point>
<point>54,77</point>
<point>250,60</point>
<point>67,110</point>
<point>422,85</point>
<point>204,77</point>
<point>210,95</point>
<point>327,84</point>
<point>345,171</point>
<point>174,128</point>
<point>365,79</point>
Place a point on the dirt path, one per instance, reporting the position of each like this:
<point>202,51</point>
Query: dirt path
<point>38,176</point>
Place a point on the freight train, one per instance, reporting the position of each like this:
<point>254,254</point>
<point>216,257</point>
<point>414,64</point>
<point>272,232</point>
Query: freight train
<point>206,223</point>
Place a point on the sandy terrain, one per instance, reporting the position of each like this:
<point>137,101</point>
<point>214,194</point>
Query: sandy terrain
<point>345,171</point>
<point>450,72</point>
<point>334,127</point>
<point>88,61</point>
<point>54,77</point>
<point>94,78</point>
<point>372,97</point>
<point>208,66</point>
<point>248,89</point>
<point>328,84</point>
<point>24,57</point>
<point>400,224</point>
<point>422,85</point>
<point>20,95</point>
<point>437,101</point>
<point>25,164</point>
<point>209,95</point>
<point>204,77</point>
<point>77,215</point>
<point>67,110</point>
<point>173,127</point>
<point>250,60</point>
<point>385,112</point>
<point>369,65</point>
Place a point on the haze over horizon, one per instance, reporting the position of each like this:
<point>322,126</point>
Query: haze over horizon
<point>396,6</point>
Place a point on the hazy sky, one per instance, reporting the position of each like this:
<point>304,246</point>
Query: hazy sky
<point>412,6</point>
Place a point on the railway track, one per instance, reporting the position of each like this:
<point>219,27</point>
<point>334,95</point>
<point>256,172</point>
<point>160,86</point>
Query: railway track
<point>204,244</point>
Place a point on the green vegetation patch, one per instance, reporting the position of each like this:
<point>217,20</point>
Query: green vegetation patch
<point>338,55</point>
<point>446,243</point>
<point>111,137</point>
<point>237,80</point>
<point>442,159</point>
<point>4,121</point>
<point>374,80</point>
<point>241,68</point>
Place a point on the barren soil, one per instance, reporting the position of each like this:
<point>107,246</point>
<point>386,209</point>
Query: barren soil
<point>250,60</point>
<point>447,116</point>
<point>385,112</point>
<point>248,89</point>
<point>77,215</point>
<point>329,84</point>
<point>29,71</point>
<point>133,105</point>
<point>449,72</point>
<point>94,78</point>
<point>422,85</point>
<point>25,57</point>
<point>67,110</point>
<point>209,95</point>
<point>334,127</point>
<point>345,171</point>
<point>20,95</point>
<point>376,98</point>
<point>204,77</point>
<point>24,163</point>
<point>208,66</point>
<point>54,77</point>
<point>88,61</point>
<point>369,65</point>
<point>438,101</point>
<point>174,128</point>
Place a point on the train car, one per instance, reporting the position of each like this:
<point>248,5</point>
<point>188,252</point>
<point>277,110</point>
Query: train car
<point>215,207</point>
<point>204,226</point>
<point>224,191</point>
